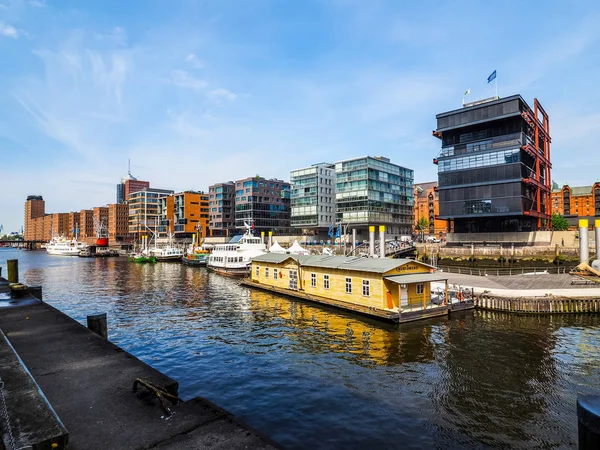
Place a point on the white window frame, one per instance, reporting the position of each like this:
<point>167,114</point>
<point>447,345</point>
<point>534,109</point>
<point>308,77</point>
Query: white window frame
<point>420,287</point>
<point>274,274</point>
<point>257,271</point>
<point>326,282</point>
<point>313,280</point>
<point>348,285</point>
<point>366,288</point>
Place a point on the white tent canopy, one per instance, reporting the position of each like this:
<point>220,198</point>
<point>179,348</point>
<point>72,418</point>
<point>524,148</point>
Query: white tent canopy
<point>276,248</point>
<point>297,249</point>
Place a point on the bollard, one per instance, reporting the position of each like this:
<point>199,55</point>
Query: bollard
<point>35,291</point>
<point>371,241</point>
<point>588,419</point>
<point>382,241</point>
<point>584,251</point>
<point>97,324</point>
<point>597,237</point>
<point>13,270</point>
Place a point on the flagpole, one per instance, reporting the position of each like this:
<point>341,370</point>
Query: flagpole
<point>496,83</point>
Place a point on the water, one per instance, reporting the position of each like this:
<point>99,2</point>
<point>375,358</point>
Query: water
<point>316,378</point>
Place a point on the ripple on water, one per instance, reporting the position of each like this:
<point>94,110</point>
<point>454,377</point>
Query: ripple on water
<point>315,378</point>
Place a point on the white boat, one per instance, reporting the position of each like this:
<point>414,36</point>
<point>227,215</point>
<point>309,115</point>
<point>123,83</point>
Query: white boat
<point>62,246</point>
<point>168,252</point>
<point>235,257</point>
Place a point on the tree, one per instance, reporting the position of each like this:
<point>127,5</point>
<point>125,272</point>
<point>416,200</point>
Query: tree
<point>422,223</point>
<point>559,223</point>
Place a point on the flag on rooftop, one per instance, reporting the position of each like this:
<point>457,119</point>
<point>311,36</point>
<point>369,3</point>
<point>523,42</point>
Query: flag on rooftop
<point>467,92</point>
<point>492,77</point>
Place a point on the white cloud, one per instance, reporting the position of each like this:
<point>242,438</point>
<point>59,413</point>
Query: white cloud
<point>116,36</point>
<point>220,95</point>
<point>194,61</point>
<point>8,31</point>
<point>183,79</point>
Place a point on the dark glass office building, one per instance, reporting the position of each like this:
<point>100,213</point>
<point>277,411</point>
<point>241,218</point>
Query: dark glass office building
<point>494,166</point>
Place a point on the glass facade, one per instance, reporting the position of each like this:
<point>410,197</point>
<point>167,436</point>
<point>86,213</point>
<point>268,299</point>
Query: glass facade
<point>485,168</point>
<point>374,191</point>
<point>263,203</point>
<point>313,196</point>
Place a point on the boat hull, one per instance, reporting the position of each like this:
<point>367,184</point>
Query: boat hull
<point>230,271</point>
<point>170,258</point>
<point>142,259</point>
<point>74,252</point>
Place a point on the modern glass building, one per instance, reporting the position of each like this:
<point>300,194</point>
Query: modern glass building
<point>313,197</point>
<point>144,210</point>
<point>373,191</point>
<point>263,203</point>
<point>222,209</point>
<point>494,166</point>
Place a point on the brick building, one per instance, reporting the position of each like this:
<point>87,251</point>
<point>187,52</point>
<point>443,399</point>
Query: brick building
<point>427,205</point>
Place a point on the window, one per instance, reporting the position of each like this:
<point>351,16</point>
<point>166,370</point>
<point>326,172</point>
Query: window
<point>325,281</point>
<point>266,272</point>
<point>274,274</point>
<point>257,271</point>
<point>313,280</point>
<point>420,288</point>
<point>366,288</point>
<point>348,285</point>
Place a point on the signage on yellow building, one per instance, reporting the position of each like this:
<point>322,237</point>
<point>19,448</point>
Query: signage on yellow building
<point>411,268</point>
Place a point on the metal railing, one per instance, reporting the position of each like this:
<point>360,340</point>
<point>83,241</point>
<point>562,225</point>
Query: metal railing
<point>504,271</point>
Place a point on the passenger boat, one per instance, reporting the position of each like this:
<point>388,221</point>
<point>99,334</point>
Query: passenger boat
<point>234,258</point>
<point>62,246</point>
<point>168,252</point>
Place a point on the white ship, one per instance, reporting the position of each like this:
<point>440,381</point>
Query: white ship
<point>166,253</point>
<point>234,258</point>
<point>62,246</point>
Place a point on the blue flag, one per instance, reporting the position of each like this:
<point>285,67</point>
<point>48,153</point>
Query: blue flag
<point>338,232</point>
<point>492,76</point>
<point>330,232</point>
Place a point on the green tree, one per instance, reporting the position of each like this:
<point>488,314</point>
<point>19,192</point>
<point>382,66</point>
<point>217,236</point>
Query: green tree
<point>422,223</point>
<point>559,223</point>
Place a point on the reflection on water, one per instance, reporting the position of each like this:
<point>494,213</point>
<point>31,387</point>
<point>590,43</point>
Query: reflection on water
<point>313,377</point>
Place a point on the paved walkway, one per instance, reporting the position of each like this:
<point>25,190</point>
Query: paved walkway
<point>89,383</point>
<point>525,285</point>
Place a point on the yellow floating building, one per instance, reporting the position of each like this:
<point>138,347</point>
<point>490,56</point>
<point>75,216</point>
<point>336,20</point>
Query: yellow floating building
<point>392,289</point>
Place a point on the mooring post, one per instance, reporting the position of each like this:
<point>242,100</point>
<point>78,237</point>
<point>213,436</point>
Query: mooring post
<point>588,419</point>
<point>97,324</point>
<point>584,251</point>
<point>13,270</point>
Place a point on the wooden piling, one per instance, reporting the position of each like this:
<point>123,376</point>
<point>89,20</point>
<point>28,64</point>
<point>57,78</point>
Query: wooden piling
<point>13,270</point>
<point>97,324</point>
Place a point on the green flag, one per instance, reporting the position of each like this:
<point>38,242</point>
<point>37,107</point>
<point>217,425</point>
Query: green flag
<point>467,92</point>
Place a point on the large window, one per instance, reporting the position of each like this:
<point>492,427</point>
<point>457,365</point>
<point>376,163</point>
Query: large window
<point>313,280</point>
<point>420,288</point>
<point>348,285</point>
<point>274,274</point>
<point>480,160</point>
<point>325,281</point>
<point>366,285</point>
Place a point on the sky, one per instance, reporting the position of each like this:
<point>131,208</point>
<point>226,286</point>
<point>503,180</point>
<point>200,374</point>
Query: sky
<point>198,92</point>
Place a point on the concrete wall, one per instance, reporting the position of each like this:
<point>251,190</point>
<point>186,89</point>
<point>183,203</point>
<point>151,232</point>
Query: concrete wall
<point>531,238</point>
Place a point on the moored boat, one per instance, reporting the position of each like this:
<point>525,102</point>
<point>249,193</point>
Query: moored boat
<point>234,258</point>
<point>141,258</point>
<point>196,258</point>
<point>62,246</point>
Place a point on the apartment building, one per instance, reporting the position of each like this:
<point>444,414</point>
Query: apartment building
<point>221,203</point>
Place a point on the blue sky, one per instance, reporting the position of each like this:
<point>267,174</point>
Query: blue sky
<point>196,92</point>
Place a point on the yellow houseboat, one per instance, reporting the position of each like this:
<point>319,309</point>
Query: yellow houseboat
<point>392,289</point>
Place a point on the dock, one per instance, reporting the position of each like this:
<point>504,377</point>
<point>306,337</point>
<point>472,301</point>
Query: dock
<point>88,382</point>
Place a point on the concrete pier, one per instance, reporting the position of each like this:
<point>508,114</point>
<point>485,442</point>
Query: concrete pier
<point>88,381</point>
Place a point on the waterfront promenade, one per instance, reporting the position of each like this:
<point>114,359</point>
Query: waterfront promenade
<point>88,381</point>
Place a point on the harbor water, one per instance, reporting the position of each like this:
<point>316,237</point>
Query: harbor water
<point>311,377</point>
